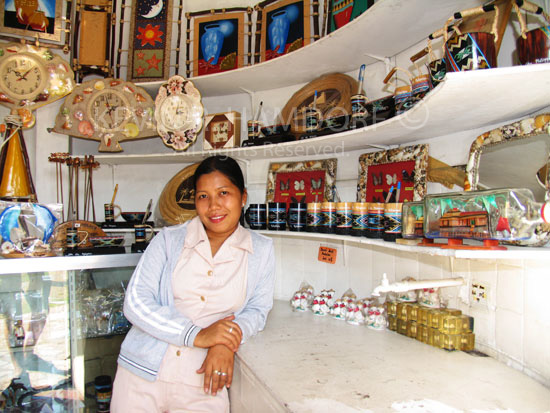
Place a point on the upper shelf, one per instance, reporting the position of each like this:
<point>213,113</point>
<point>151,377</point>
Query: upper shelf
<point>384,30</point>
<point>463,101</point>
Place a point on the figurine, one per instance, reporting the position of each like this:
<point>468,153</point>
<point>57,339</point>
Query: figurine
<point>376,319</point>
<point>338,310</point>
<point>315,305</point>
<point>429,297</point>
<point>324,308</point>
<point>356,316</point>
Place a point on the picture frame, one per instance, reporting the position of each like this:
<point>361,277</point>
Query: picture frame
<point>24,18</point>
<point>150,37</point>
<point>218,41</point>
<point>341,12</point>
<point>303,181</point>
<point>379,171</point>
<point>287,22</point>
<point>177,200</point>
<point>222,130</point>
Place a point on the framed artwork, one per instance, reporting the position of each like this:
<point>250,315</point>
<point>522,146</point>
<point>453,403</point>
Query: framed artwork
<point>341,12</point>
<point>379,171</point>
<point>149,45</point>
<point>218,42</point>
<point>285,27</point>
<point>222,130</point>
<point>305,181</point>
<point>32,18</point>
<point>177,200</point>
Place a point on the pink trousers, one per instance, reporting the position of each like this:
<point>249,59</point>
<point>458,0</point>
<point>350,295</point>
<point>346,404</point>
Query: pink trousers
<point>133,394</point>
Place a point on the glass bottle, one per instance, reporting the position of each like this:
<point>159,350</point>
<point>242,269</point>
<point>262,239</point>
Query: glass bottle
<point>506,214</point>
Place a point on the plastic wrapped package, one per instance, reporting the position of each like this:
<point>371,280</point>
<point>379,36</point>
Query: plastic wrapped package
<point>26,228</point>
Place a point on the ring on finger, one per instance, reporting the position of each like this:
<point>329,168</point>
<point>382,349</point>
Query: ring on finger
<point>224,374</point>
<point>230,330</point>
<point>217,372</point>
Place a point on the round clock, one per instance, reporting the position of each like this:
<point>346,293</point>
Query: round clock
<point>23,76</point>
<point>174,112</point>
<point>109,110</point>
<point>178,112</point>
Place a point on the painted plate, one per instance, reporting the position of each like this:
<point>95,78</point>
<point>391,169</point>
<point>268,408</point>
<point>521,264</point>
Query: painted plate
<point>178,113</point>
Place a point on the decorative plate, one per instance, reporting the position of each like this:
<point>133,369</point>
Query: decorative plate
<point>178,113</point>
<point>177,200</point>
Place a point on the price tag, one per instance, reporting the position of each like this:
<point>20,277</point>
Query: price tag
<point>327,255</point>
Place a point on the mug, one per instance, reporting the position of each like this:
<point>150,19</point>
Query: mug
<point>254,129</point>
<point>110,212</point>
<point>72,237</point>
<point>314,218</point>
<point>344,218</point>
<point>297,216</point>
<point>256,216</point>
<point>360,219</point>
<point>358,107</point>
<point>328,214</point>
<point>376,220</point>
<point>140,233</point>
<point>392,221</point>
<point>276,216</point>
<point>312,119</point>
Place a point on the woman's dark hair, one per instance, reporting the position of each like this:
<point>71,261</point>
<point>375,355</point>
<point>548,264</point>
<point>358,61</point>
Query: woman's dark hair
<point>223,164</point>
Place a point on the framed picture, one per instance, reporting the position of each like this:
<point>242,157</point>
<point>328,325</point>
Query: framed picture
<point>306,181</point>
<point>379,171</point>
<point>150,37</point>
<point>218,42</point>
<point>222,130</point>
<point>341,12</point>
<point>177,200</point>
<point>32,18</point>
<point>285,27</point>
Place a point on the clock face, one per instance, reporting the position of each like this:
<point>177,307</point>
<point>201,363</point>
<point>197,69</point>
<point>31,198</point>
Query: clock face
<point>174,112</point>
<point>22,76</point>
<point>220,131</point>
<point>109,110</point>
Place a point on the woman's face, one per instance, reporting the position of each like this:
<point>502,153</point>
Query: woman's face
<point>218,203</point>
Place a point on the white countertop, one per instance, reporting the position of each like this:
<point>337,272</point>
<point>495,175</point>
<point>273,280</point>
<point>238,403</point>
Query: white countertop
<point>319,364</point>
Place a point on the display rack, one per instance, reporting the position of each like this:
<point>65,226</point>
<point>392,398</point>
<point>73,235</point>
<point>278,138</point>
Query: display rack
<point>512,252</point>
<point>463,101</point>
<point>384,30</point>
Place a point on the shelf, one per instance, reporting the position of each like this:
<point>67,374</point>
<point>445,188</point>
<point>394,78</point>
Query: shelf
<point>380,31</point>
<point>463,101</point>
<point>45,264</point>
<point>510,254</point>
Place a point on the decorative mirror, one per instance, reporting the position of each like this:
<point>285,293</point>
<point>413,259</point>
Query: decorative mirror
<point>514,156</point>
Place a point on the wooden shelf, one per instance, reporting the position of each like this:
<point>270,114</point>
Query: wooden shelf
<point>509,254</point>
<point>463,101</point>
<point>384,30</point>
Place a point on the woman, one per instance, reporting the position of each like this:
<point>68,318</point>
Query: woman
<point>200,289</point>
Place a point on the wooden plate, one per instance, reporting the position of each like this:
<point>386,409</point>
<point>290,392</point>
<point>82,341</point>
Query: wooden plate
<point>177,200</point>
<point>333,99</point>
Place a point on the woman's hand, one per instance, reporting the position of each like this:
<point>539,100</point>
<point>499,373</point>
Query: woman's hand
<point>223,331</point>
<point>217,368</point>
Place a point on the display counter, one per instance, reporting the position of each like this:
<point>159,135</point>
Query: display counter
<point>305,363</point>
<point>61,325</point>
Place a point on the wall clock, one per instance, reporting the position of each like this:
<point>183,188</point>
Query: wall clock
<point>178,112</point>
<point>31,77</point>
<point>222,130</point>
<point>109,111</point>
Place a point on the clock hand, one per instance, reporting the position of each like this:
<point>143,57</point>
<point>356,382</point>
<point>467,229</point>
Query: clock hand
<point>23,77</point>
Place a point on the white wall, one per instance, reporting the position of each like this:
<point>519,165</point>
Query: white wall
<point>514,327</point>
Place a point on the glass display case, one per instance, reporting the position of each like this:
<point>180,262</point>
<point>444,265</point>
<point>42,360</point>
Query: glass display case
<point>61,326</point>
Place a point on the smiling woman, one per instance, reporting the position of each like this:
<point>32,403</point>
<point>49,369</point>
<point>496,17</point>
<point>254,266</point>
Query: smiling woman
<point>199,290</point>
